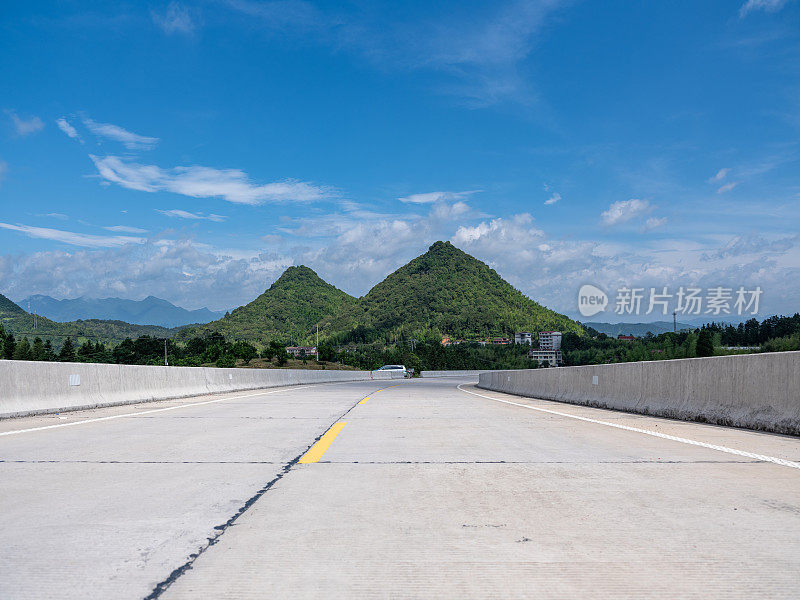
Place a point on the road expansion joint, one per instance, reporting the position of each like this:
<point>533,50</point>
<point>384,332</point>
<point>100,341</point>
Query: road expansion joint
<point>161,587</point>
<point>540,462</point>
<point>142,462</point>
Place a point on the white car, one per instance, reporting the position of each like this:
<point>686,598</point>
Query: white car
<point>396,368</point>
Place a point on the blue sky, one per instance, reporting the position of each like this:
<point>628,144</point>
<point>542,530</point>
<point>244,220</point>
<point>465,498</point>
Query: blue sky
<point>193,150</point>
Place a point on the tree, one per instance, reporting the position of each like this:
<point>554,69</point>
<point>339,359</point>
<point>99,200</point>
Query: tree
<point>124,353</point>
<point>37,351</point>
<point>67,353</point>
<point>226,361</point>
<point>326,351</point>
<point>196,346</point>
<point>9,345</point>
<point>283,356</point>
<point>272,350</point>
<point>705,343</point>
<point>49,354</point>
<point>245,351</point>
<point>23,350</point>
<point>86,351</point>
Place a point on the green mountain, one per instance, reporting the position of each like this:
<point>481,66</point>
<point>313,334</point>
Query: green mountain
<point>287,312</point>
<point>8,308</point>
<point>15,320</point>
<point>444,292</point>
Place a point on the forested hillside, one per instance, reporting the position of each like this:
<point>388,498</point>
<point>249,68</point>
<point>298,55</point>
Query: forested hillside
<point>287,312</point>
<point>444,292</point>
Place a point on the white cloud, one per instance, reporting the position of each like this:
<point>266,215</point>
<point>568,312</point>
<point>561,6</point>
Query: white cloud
<point>124,229</point>
<point>448,212</point>
<point>752,244</point>
<point>176,19</point>
<point>721,174</point>
<point>432,197</point>
<point>514,231</point>
<point>65,126</point>
<point>769,6</point>
<point>232,185</point>
<point>553,199</point>
<point>185,214</point>
<point>132,141</point>
<point>622,211</point>
<point>181,271</point>
<point>75,239</point>
<point>357,248</point>
<point>654,222</point>
<point>727,187</point>
<point>25,127</point>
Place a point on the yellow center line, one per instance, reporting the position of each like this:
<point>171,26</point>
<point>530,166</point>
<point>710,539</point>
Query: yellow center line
<point>317,450</point>
<point>388,387</point>
<point>363,400</point>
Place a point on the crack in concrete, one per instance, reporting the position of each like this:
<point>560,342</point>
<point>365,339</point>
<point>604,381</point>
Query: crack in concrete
<point>162,586</point>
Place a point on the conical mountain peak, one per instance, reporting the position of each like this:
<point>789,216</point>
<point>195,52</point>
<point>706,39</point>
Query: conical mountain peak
<point>447,292</point>
<point>287,311</point>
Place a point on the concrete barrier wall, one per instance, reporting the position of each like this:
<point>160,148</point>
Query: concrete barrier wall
<point>758,391</point>
<point>30,387</point>
<point>452,373</point>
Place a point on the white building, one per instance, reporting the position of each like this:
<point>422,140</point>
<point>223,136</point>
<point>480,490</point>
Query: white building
<point>551,357</point>
<point>550,340</point>
<point>549,350</point>
<point>297,351</point>
<point>523,338</point>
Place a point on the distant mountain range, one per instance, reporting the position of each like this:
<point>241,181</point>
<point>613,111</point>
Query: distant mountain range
<point>21,323</point>
<point>637,329</point>
<point>150,311</point>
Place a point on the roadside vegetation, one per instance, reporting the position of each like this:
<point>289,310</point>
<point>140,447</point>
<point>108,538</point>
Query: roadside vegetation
<point>774,334</point>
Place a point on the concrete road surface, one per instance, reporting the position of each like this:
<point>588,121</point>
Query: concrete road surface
<point>418,490</point>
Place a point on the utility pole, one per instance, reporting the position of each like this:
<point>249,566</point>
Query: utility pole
<point>317,346</point>
<point>166,364</point>
<point>674,321</point>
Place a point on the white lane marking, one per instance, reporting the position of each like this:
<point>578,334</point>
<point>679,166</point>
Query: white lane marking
<point>155,410</point>
<point>763,457</point>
